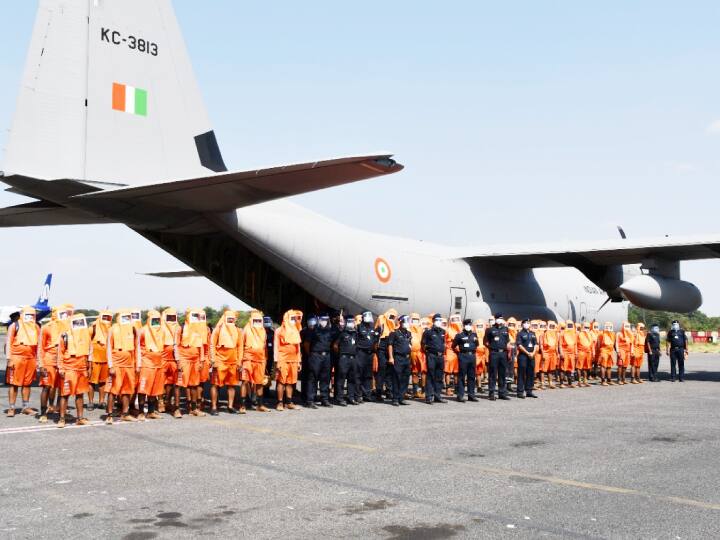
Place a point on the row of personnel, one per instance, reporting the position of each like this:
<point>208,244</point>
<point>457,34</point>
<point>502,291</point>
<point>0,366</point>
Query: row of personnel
<point>122,358</point>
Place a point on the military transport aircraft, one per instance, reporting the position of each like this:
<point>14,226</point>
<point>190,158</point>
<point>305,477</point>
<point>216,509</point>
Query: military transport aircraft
<point>110,127</point>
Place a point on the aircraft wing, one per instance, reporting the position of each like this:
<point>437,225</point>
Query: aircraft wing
<point>43,213</point>
<point>172,274</point>
<point>227,191</point>
<point>601,253</point>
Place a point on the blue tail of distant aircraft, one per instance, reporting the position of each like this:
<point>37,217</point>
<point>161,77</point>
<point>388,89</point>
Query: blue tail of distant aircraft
<point>41,306</point>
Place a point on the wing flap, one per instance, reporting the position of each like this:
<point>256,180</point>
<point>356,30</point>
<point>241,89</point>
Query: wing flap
<point>40,213</point>
<point>228,191</point>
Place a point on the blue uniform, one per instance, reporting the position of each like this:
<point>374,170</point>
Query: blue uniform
<point>496,340</point>
<point>433,343</point>
<point>465,344</point>
<point>677,342</point>
<point>526,364</point>
<point>401,343</point>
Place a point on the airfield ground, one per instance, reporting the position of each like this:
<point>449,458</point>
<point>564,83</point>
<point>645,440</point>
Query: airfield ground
<point>640,461</point>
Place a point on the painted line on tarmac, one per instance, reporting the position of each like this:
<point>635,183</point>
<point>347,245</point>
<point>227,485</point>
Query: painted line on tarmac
<point>51,427</point>
<point>488,470</point>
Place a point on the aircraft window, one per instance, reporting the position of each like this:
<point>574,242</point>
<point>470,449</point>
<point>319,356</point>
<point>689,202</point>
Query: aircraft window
<point>458,302</point>
<point>477,294</point>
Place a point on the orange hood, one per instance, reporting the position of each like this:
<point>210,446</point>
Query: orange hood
<point>27,333</point>
<point>228,331</point>
<point>388,325</point>
<point>290,329</point>
<point>79,336</point>
<point>101,327</point>
<point>153,332</point>
<point>254,336</point>
<point>123,332</point>
<point>194,331</point>
<point>169,318</point>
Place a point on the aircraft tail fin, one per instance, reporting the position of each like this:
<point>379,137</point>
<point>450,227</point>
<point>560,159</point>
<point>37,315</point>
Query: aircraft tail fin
<point>108,93</point>
<point>43,299</point>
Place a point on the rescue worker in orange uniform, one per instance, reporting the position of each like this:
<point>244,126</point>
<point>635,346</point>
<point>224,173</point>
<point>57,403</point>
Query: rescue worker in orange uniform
<point>254,349</point>
<point>624,344</point>
<point>23,338</point>
<point>170,325</point>
<point>452,367</point>
<point>606,350</point>
<point>638,353</point>
<point>568,353</point>
<point>481,355</point>
<point>205,366</point>
<point>74,349</point>
<point>225,355</point>
<point>539,328</point>
<point>513,328</point>
<point>122,348</point>
<point>595,332</point>
<point>418,367</point>
<point>549,349</point>
<point>190,340</point>
<point>287,348</point>
<point>47,358</point>
<point>98,361</point>
<point>151,387</point>
<point>585,353</point>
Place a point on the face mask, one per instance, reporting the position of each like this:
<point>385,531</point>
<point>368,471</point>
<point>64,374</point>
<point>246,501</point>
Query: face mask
<point>350,326</point>
<point>468,328</point>
<point>676,326</point>
<point>155,323</point>
<point>312,323</point>
<point>106,318</point>
<point>267,325</point>
<point>29,317</point>
<point>406,325</point>
<point>655,330</point>
<point>437,324</point>
<point>194,318</point>
<point>79,323</point>
<point>416,322</point>
<point>491,322</point>
<point>368,318</point>
<point>63,316</point>
<point>257,323</point>
<point>171,318</point>
<point>526,326</point>
<point>323,324</point>
<point>570,327</point>
<point>125,319</point>
<point>230,320</point>
<point>499,322</point>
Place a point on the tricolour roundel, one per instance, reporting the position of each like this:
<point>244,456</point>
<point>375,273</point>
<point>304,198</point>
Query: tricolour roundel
<point>382,270</point>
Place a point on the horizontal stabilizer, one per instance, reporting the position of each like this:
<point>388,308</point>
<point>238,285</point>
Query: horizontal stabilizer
<point>228,191</point>
<point>175,274</point>
<point>43,213</point>
<point>607,253</point>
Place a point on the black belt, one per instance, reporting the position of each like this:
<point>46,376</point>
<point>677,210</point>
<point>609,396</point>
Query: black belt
<point>324,353</point>
<point>677,348</point>
<point>365,349</point>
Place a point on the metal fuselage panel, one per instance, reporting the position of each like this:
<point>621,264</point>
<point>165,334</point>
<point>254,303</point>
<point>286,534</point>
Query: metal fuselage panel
<point>350,269</point>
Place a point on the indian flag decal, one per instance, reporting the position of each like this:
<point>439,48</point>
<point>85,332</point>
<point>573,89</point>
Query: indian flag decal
<point>382,270</point>
<point>129,99</point>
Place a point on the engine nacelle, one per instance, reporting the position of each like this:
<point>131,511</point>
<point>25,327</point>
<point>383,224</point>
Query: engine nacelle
<point>660,293</point>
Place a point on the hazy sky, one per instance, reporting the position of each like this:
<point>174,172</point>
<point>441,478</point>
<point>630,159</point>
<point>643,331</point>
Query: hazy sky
<point>516,121</point>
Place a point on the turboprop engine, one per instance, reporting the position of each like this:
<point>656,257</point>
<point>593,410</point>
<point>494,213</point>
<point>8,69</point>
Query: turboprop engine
<point>661,293</point>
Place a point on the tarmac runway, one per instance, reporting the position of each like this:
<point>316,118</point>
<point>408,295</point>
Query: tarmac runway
<point>640,461</point>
